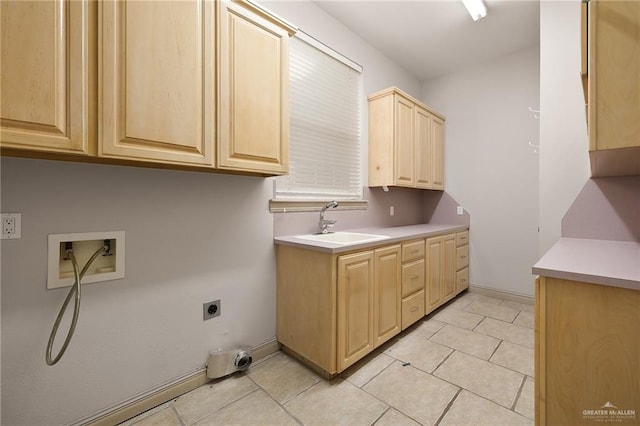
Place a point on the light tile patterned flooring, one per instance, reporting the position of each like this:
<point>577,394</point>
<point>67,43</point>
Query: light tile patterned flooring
<point>470,363</point>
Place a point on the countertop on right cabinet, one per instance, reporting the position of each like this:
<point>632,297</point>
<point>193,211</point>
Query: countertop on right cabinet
<point>611,263</point>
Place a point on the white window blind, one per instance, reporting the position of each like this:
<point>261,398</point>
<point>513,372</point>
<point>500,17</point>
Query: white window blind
<point>324,146</point>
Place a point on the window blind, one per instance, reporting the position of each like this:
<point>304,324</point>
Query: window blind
<point>324,145</point>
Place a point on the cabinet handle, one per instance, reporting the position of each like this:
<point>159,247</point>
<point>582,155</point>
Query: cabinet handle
<point>415,308</point>
<point>415,277</point>
<point>463,257</point>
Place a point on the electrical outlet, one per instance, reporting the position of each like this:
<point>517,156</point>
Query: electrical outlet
<point>392,211</point>
<point>11,226</point>
<point>211,310</point>
<point>460,210</point>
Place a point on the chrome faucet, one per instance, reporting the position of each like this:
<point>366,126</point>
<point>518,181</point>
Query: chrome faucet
<point>325,223</point>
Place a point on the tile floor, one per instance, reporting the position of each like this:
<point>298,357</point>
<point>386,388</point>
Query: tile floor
<point>469,363</point>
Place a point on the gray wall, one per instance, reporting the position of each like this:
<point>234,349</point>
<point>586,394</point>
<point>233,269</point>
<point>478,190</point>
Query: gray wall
<point>191,237</point>
<point>490,169</point>
<point>605,209</point>
<point>564,159</point>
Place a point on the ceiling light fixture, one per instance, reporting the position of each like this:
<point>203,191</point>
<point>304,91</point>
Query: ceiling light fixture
<point>476,8</point>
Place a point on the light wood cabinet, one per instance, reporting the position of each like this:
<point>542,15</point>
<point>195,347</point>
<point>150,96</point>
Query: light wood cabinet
<point>254,90</point>
<point>613,57</point>
<point>355,307</point>
<point>169,84</point>
<point>406,142</point>
<point>387,321</point>
<point>441,271</point>
<point>462,261</point>
<point>334,309</point>
<point>587,353</point>
<point>44,82</point>
<point>413,282</point>
<point>156,81</point>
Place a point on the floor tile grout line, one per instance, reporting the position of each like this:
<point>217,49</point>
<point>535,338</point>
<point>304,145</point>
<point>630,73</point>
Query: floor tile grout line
<point>515,400</point>
<point>175,411</point>
<point>495,350</point>
<point>381,415</point>
<point>219,408</point>
<point>446,409</point>
<point>282,405</point>
<point>377,374</point>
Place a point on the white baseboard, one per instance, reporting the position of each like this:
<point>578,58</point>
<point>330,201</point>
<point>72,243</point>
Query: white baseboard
<point>164,393</point>
<point>499,294</point>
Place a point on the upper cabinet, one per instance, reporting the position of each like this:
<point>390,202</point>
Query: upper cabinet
<point>613,57</point>
<point>156,76</point>
<point>254,90</point>
<point>195,84</point>
<point>406,142</point>
<point>44,82</point>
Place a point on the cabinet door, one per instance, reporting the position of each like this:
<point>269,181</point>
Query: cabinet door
<point>44,101</point>
<point>434,274</point>
<point>404,142</point>
<point>449,267</point>
<point>423,146</point>
<point>437,153</point>
<point>355,307</point>
<point>387,297</point>
<point>254,92</point>
<point>156,71</point>
<point>614,75</point>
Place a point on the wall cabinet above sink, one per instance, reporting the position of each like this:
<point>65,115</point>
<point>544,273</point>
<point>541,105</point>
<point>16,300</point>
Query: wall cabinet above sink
<point>406,142</point>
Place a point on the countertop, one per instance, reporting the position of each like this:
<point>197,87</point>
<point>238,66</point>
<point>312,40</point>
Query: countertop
<point>395,234</point>
<point>611,263</point>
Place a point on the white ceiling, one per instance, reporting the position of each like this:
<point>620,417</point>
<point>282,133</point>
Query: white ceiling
<point>429,38</point>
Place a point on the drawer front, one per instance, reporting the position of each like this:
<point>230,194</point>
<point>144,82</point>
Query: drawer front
<point>462,280</point>
<point>462,258</point>
<point>412,309</point>
<point>412,251</point>
<point>412,277</point>
<point>462,238</point>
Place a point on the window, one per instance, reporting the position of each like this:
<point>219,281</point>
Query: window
<point>324,145</point>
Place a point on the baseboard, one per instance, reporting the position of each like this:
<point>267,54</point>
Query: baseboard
<point>164,393</point>
<point>514,297</point>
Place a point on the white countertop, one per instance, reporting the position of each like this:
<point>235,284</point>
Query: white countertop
<point>612,263</point>
<point>395,234</point>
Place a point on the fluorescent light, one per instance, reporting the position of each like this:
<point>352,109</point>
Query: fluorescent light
<point>476,8</point>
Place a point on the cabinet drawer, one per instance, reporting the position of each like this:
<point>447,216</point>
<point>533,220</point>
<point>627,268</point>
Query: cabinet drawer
<point>413,250</point>
<point>462,257</point>
<point>462,280</point>
<point>412,277</point>
<point>462,238</point>
<point>412,309</point>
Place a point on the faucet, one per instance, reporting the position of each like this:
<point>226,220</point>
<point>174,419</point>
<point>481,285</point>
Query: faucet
<point>325,223</point>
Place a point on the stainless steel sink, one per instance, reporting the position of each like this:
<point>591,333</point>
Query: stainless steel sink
<point>343,238</point>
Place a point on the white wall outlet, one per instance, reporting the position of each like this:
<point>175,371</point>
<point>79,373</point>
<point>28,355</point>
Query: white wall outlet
<point>105,267</point>
<point>11,226</point>
<point>392,211</point>
<point>460,210</point>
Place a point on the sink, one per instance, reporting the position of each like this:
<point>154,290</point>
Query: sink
<point>343,238</point>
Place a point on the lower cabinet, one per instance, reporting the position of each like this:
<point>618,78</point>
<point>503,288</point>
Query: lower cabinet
<point>413,271</point>
<point>333,309</point>
<point>441,271</point>
<point>368,302</point>
<point>587,353</point>
<point>462,261</point>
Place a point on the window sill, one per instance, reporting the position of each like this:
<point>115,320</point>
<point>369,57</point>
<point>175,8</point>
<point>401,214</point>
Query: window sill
<point>282,206</point>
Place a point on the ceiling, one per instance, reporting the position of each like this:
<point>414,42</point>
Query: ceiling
<point>429,38</point>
